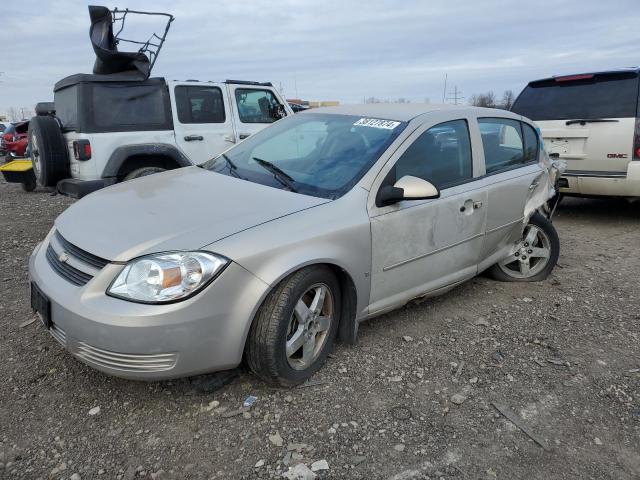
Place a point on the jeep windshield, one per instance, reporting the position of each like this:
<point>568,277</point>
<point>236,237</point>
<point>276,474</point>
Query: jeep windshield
<point>583,97</point>
<point>322,155</point>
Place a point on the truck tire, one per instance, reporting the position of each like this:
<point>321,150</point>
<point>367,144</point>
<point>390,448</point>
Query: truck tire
<point>48,151</point>
<point>143,172</point>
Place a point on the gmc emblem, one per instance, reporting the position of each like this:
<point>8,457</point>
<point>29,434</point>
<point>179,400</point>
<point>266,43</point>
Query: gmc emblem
<point>616,155</point>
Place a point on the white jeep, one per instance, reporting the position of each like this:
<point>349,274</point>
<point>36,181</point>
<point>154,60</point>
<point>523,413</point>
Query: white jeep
<point>118,123</point>
<point>105,130</point>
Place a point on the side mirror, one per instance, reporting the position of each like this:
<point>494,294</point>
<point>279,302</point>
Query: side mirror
<point>407,188</point>
<point>278,112</point>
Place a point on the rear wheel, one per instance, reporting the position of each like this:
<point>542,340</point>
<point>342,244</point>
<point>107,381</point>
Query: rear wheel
<point>48,151</point>
<point>535,256</point>
<point>295,328</point>
<point>143,172</point>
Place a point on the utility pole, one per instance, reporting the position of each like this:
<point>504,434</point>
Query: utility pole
<point>455,96</point>
<point>444,91</point>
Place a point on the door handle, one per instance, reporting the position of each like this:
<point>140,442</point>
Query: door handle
<point>191,138</point>
<point>470,205</point>
<point>244,135</point>
<point>533,185</point>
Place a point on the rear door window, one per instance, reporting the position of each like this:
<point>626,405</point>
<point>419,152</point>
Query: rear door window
<point>200,104</point>
<point>502,143</point>
<point>441,155</point>
<point>580,97</point>
<point>256,106</point>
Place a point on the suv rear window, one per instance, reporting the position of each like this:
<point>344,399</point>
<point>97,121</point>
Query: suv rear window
<point>586,97</point>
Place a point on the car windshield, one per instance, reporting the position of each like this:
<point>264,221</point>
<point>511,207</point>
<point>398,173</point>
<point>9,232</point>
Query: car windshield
<point>322,155</point>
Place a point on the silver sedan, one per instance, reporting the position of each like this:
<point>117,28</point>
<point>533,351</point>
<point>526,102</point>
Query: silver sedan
<point>290,239</point>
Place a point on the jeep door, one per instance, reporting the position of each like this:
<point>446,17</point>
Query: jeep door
<point>254,108</point>
<point>420,246</point>
<point>202,120</point>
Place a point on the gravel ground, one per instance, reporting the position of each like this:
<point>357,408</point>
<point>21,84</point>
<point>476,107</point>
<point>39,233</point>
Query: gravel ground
<point>415,398</point>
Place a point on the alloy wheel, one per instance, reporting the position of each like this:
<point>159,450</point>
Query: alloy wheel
<point>531,255</point>
<point>309,326</point>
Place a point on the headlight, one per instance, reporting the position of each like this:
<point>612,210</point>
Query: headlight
<point>166,277</point>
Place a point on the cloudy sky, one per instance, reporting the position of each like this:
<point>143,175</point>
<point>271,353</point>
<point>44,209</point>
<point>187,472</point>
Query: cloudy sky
<point>334,49</point>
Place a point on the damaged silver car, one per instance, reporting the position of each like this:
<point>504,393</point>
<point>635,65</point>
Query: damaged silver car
<point>285,242</point>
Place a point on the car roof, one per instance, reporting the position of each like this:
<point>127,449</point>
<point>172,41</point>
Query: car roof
<point>404,112</point>
<point>603,72</point>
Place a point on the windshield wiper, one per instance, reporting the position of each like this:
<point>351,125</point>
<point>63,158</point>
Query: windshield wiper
<point>584,121</point>
<point>283,177</point>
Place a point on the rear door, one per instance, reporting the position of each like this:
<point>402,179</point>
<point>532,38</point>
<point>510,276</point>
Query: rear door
<point>511,158</point>
<point>588,120</point>
<point>255,107</point>
<point>202,119</point>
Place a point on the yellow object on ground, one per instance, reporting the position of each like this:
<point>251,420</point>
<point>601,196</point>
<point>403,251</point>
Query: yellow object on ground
<point>16,166</point>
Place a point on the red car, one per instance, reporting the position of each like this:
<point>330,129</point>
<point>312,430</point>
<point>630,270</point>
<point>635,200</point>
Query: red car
<point>14,139</point>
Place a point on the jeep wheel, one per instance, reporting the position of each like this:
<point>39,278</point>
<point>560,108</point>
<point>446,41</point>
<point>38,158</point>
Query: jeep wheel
<point>143,172</point>
<point>48,151</point>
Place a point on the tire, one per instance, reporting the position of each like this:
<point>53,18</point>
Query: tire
<point>48,151</point>
<point>29,185</point>
<point>545,241</point>
<point>278,322</point>
<point>142,172</point>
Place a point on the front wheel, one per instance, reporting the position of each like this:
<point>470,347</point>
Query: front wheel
<point>295,328</point>
<point>535,256</point>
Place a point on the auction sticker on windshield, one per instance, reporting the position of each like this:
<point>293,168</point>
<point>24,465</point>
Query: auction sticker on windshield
<point>377,123</point>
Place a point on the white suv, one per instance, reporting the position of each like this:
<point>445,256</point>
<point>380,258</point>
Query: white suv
<point>591,121</point>
<point>103,129</point>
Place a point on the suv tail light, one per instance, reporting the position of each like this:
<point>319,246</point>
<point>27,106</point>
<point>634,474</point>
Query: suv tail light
<point>636,141</point>
<point>82,150</point>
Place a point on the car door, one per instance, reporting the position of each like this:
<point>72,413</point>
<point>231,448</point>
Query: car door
<point>511,151</point>
<point>254,108</point>
<point>202,120</point>
<point>422,245</point>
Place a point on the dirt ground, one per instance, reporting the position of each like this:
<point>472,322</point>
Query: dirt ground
<point>414,399</point>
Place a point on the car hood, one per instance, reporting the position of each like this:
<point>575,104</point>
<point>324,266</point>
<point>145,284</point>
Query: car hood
<point>183,209</point>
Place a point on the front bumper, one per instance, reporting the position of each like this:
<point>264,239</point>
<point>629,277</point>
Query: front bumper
<point>620,184</point>
<point>202,334</point>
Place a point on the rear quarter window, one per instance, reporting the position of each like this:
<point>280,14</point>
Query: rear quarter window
<point>599,96</point>
<point>123,107</point>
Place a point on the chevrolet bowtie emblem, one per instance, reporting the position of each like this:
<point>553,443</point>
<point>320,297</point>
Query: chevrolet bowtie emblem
<point>63,257</point>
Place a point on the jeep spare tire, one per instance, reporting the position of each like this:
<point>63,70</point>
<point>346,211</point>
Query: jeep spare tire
<point>48,151</point>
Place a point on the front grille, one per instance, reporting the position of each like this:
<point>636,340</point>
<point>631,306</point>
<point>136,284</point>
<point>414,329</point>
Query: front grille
<point>126,362</point>
<point>65,270</point>
<point>71,262</point>
<point>80,254</point>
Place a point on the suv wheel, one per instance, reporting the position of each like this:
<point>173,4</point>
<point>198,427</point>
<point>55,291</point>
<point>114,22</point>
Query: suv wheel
<point>142,172</point>
<point>536,255</point>
<point>295,328</point>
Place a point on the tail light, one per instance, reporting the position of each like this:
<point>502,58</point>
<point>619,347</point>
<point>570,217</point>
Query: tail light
<point>636,141</point>
<point>82,150</point>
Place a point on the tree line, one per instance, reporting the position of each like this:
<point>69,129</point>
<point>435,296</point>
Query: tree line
<point>489,100</point>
